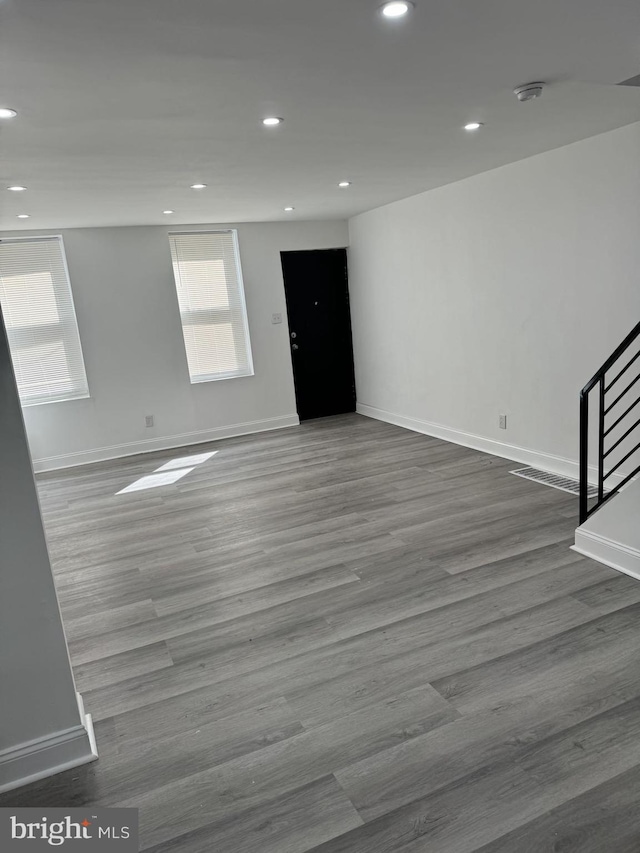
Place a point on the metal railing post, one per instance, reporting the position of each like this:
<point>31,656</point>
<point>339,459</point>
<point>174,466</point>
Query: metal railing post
<point>584,455</point>
<point>601,444</point>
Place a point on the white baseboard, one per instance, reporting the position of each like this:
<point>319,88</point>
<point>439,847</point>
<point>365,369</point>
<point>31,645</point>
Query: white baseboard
<point>534,458</point>
<point>116,451</point>
<point>46,756</point>
<point>612,554</point>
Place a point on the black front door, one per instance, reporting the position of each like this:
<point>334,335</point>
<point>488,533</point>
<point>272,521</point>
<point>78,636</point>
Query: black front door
<point>317,293</point>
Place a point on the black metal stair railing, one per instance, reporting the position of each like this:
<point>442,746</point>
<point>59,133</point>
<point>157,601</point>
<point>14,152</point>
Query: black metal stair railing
<point>612,412</point>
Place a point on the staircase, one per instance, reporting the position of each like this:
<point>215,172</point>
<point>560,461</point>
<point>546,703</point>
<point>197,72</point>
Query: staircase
<point>609,528</point>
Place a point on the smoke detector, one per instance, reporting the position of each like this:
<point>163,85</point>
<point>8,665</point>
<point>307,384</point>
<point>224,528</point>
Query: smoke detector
<point>529,91</point>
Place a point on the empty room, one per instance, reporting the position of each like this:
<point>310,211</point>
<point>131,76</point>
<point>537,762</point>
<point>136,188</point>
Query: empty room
<point>320,426</point>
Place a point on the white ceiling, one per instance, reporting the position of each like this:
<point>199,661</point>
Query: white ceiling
<point>125,103</point>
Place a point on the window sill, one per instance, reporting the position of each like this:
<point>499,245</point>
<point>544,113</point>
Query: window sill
<point>27,404</point>
<point>221,377</point>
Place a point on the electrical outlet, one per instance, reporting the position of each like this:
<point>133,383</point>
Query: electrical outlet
<point>148,421</point>
<point>503,422</point>
<point>276,319</point>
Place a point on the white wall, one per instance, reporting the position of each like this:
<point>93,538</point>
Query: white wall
<point>42,729</point>
<point>501,293</point>
<point>130,329</point>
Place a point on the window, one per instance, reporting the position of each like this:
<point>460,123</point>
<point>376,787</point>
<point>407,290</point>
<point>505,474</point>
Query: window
<point>37,304</point>
<point>206,266</point>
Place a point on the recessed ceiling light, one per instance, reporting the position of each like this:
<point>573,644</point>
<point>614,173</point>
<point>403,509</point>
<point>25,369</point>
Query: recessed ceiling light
<point>272,121</point>
<point>198,186</point>
<point>17,189</point>
<point>473,125</point>
<point>5,112</point>
<point>396,9</point>
<point>23,216</point>
<point>167,211</point>
<point>289,209</point>
<point>344,184</point>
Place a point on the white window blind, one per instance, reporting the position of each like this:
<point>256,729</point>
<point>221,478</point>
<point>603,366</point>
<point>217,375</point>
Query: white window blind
<point>37,305</point>
<point>206,266</point>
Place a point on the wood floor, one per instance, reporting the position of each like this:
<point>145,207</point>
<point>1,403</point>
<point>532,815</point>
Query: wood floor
<point>346,638</point>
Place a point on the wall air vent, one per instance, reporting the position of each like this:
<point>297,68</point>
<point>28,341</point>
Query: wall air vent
<point>565,484</point>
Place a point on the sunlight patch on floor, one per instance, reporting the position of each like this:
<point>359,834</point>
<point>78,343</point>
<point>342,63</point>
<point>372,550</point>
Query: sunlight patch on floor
<point>169,473</point>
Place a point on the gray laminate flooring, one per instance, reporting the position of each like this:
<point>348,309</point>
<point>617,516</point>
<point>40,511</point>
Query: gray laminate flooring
<point>346,638</point>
